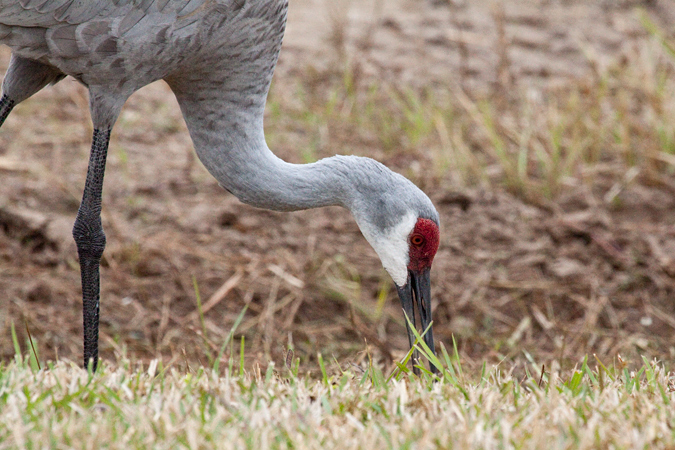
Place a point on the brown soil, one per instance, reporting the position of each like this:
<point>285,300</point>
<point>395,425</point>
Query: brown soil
<point>575,276</point>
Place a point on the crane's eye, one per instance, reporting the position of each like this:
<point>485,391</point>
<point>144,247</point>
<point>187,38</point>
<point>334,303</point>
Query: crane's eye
<point>417,240</point>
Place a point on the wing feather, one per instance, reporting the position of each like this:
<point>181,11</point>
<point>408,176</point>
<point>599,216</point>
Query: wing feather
<point>132,18</point>
<point>78,11</point>
<point>33,4</point>
<point>49,13</point>
<point>62,41</point>
<point>190,7</point>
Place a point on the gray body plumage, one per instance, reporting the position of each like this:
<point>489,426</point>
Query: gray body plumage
<point>218,57</point>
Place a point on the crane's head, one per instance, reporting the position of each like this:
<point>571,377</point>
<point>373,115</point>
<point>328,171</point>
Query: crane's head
<point>402,225</point>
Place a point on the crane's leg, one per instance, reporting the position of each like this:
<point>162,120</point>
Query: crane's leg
<point>90,240</point>
<point>24,78</point>
<point>6,105</point>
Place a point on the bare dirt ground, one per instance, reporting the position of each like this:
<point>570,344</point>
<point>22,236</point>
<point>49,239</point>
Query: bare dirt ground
<point>573,276</point>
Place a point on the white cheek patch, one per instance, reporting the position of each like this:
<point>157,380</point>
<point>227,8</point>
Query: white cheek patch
<point>392,246</point>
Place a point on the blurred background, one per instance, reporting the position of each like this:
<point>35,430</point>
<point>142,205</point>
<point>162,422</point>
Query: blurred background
<point>544,132</point>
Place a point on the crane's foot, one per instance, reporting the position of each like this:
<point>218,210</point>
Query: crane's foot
<point>90,239</point>
<point>6,106</point>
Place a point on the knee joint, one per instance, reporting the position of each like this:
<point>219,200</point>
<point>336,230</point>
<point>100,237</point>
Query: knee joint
<point>89,238</point>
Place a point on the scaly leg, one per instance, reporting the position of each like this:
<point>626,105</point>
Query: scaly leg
<point>6,106</point>
<point>90,240</point>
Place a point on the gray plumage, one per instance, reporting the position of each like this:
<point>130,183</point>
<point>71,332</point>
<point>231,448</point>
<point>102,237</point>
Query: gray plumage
<point>218,57</point>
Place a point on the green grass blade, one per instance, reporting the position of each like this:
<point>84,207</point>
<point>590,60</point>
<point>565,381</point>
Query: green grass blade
<point>228,339</point>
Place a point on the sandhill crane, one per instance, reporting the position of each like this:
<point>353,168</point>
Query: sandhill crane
<point>218,57</point>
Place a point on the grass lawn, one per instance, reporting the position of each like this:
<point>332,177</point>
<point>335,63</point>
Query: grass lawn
<point>121,406</point>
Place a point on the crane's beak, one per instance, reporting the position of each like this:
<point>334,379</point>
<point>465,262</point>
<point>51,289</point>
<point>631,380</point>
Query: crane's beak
<point>418,290</point>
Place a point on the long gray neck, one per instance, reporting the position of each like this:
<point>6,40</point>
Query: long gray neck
<point>230,142</point>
